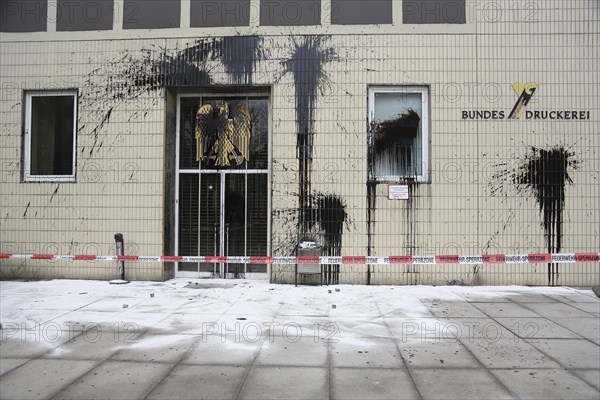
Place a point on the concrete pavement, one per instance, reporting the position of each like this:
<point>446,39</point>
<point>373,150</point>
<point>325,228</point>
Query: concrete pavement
<point>210,339</point>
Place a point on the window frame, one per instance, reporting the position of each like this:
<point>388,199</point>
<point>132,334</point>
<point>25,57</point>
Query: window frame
<point>29,95</point>
<point>423,90</point>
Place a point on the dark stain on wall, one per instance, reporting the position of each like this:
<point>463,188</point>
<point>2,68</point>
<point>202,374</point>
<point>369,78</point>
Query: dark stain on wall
<point>410,230</point>
<point>26,209</point>
<point>134,76</point>
<point>371,206</point>
<point>306,64</point>
<point>54,193</point>
<point>138,73</point>
<point>330,216</point>
<point>325,212</point>
<point>544,173</point>
<point>239,55</point>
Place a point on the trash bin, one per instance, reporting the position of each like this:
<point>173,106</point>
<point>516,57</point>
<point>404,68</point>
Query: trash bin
<point>307,248</point>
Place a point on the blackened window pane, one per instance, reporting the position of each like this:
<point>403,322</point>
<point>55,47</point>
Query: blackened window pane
<point>23,15</point>
<point>52,135</point>
<point>84,15</point>
<point>354,12</point>
<point>433,12</point>
<point>290,12</point>
<point>211,13</point>
<point>151,14</point>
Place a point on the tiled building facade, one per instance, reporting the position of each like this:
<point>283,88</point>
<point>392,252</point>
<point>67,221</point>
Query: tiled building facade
<point>244,127</point>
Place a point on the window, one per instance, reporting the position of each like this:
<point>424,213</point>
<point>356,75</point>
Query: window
<point>433,12</point>
<point>399,133</point>
<point>352,12</point>
<point>290,12</point>
<point>50,127</point>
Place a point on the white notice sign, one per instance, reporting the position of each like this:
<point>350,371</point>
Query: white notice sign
<point>398,192</point>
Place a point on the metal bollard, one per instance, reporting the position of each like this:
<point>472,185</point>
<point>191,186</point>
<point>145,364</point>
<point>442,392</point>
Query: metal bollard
<point>120,251</point>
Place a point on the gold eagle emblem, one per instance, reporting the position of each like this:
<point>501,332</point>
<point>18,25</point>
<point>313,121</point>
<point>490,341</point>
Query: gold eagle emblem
<point>221,139</point>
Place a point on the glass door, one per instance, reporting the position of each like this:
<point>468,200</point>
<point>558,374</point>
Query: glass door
<point>223,184</point>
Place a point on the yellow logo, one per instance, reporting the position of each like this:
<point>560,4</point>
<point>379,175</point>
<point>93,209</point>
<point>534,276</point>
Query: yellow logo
<point>525,92</point>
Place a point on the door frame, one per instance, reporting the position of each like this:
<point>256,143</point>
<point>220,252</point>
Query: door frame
<point>178,171</point>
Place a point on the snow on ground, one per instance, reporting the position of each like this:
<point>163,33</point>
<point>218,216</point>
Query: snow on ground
<point>27,303</point>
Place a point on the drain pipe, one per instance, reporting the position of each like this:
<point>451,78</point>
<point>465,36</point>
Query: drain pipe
<point>120,251</point>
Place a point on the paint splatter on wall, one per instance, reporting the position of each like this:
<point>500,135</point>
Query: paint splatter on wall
<point>543,174</point>
<point>142,72</point>
<point>306,65</point>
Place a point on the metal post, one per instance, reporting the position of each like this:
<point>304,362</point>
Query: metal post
<point>120,251</point>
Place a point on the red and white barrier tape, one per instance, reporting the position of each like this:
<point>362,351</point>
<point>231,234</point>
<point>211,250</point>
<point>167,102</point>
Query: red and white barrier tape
<point>326,260</point>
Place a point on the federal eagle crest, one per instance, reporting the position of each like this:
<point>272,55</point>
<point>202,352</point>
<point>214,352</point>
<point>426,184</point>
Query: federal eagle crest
<point>221,140</point>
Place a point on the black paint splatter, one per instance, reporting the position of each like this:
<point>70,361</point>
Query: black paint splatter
<point>26,209</point>
<point>54,193</point>
<point>400,131</point>
<point>545,174</point>
<point>330,215</point>
<point>371,206</point>
<point>139,73</point>
<point>331,218</point>
<point>239,55</point>
<point>306,64</point>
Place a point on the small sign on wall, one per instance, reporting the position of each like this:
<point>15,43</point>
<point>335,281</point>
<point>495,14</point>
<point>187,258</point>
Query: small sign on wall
<point>398,192</point>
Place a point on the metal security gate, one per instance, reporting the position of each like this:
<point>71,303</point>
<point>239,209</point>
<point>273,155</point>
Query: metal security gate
<point>223,196</point>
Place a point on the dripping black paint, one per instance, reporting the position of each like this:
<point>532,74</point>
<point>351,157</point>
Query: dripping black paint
<point>545,173</point>
<point>394,137</point>
<point>330,215</point>
<point>306,65</point>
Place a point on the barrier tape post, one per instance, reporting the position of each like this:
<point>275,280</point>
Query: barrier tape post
<point>120,252</point>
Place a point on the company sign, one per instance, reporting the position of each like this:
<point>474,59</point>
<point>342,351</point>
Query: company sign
<point>525,92</point>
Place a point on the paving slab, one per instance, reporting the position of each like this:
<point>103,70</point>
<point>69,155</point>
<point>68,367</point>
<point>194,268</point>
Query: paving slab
<point>367,383</point>
<point>117,380</point>
<point>458,384</point>
<point>31,342</point>
<point>436,354</point>
<point>361,327</point>
<point>288,383</point>
<point>537,328</point>
<point>499,310</point>
<point>536,384</point>
<point>591,307</point>
<point>301,353</point>
<point>479,328</point>
<point>226,349</point>
<point>186,323</point>
<point>157,348</point>
<point>556,310</point>
<point>365,353</point>
<point>508,353</point>
<point>201,381</point>
<point>587,328</point>
<point>457,309</point>
<point>42,379</point>
<point>577,353</point>
<point>8,364</point>
<point>591,376</point>
<point>96,343</point>
<point>422,328</point>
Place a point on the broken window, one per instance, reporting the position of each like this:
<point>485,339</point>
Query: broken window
<point>398,134</point>
<point>50,127</point>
